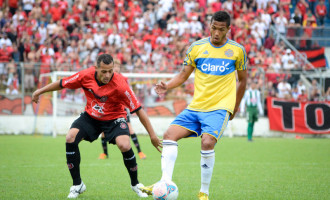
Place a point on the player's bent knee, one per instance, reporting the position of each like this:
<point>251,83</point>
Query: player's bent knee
<point>168,135</point>
<point>123,143</point>
<point>71,136</point>
<point>124,147</point>
<point>208,142</point>
<point>175,133</point>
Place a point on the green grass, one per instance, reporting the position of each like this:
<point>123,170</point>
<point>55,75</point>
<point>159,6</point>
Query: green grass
<point>268,168</point>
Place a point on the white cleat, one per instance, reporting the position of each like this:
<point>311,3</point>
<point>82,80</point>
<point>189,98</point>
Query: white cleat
<point>137,190</point>
<point>75,190</point>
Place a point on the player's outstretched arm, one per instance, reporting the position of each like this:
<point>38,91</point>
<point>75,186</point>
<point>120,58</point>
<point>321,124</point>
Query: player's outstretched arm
<point>48,88</point>
<point>147,125</point>
<point>176,81</point>
<point>242,79</point>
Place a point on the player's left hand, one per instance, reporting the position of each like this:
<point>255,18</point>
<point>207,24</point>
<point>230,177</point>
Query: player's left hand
<point>157,143</point>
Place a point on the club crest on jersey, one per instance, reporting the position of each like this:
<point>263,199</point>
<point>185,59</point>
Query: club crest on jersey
<point>123,125</point>
<point>98,107</point>
<point>229,53</point>
<point>104,99</point>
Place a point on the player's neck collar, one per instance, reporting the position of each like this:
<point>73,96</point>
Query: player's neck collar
<point>100,83</point>
<point>219,46</point>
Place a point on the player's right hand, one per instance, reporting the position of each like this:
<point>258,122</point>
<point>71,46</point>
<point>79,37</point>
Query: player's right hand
<point>160,88</point>
<point>157,143</point>
<point>35,96</point>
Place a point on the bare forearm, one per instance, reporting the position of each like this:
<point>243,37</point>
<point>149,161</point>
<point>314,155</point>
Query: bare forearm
<point>146,122</point>
<point>240,92</point>
<point>178,80</point>
<point>49,88</point>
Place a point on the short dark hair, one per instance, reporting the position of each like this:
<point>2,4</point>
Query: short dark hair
<point>105,58</point>
<point>221,16</point>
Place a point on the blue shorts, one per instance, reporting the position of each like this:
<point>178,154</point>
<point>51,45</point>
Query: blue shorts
<point>212,123</point>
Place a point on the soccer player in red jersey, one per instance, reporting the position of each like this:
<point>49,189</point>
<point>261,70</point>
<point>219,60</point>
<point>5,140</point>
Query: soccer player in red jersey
<point>134,138</point>
<point>107,95</point>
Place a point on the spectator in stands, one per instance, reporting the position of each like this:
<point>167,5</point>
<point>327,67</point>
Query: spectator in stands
<point>5,40</point>
<point>303,96</point>
<point>261,28</point>
<point>29,77</point>
<point>312,4</point>
<point>321,12</point>
<point>195,26</point>
<point>309,20</point>
<point>315,86</point>
<point>315,95</point>
<point>297,17</point>
<point>13,85</point>
<point>280,23</point>
<point>269,43</point>
<point>302,5</point>
<point>275,65</point>
<point>295,93</point>
<point>284,89</point>
<point>327,94</point>
<point>301,86</point>
<point>28,6</point>
<point>288,59</point>
<point>293,31</point>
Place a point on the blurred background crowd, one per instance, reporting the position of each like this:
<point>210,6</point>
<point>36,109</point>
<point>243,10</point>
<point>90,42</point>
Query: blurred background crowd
<point>152,36</point>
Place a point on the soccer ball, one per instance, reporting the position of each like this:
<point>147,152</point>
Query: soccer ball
<point>165,190</point>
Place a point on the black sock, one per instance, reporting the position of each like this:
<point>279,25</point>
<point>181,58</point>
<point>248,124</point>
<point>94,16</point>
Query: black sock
<point>136,142</point>
<point>73,161</point>
<point>105,146</point>
<point>131,165</point>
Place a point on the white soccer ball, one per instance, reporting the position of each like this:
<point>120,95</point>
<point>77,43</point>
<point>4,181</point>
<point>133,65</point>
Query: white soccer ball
<point>165,190</point>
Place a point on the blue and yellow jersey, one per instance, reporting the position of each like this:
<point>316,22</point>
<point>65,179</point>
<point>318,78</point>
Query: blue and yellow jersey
<point>215,79</point>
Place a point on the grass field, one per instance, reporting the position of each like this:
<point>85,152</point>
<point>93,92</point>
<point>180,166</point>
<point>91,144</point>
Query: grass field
<point>269,168</point>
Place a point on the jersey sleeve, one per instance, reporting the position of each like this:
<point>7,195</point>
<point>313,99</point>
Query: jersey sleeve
<point>241,60</point>
<point>71,82</point>
<point>190,57</point>
<point>130,100</point>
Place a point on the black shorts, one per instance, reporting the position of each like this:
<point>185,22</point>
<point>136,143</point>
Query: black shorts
<point>128,115</point>
<point>91,128</point>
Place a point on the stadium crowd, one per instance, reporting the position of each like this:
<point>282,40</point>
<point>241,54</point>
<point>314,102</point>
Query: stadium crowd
<point>149,36</point>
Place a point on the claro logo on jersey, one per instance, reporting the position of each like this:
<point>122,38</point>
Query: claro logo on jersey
<point>215,68</point>
<point>71,79</point>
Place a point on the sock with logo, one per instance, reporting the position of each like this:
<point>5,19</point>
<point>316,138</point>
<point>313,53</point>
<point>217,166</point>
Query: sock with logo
<point>169,154</point>
<point>131,165</point>
<point>104,145</point>
<point>207,163</point>
<point>73,162</point>
<point>136,142</point>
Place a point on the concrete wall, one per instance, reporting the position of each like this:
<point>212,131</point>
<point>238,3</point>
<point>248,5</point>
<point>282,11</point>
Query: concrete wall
<point>43,125</point>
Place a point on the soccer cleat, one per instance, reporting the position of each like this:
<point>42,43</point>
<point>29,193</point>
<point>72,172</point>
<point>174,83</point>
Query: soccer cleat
<point>75,190</point>
<point>138,191</point>
<point>103,156</point>
<point>147,189</point>
<point>142,155</point>
<point>203,196</point>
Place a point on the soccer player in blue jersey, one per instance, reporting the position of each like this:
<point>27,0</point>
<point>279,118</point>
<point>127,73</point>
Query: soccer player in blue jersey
<point>216,99</point>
